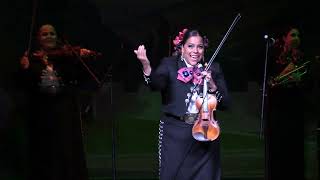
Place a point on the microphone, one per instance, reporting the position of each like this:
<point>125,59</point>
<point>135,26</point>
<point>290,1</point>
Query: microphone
<point>270,40</point>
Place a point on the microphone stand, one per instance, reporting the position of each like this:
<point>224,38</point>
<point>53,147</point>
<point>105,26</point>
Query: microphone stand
<point>264,95</point>
<point>264,92</point>
<point>113,134</point>
<point>108,76</point>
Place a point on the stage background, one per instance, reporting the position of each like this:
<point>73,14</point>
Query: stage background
<point>116,28</point>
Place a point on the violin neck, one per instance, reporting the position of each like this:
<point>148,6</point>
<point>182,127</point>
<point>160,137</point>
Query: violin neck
<point>205,95</point>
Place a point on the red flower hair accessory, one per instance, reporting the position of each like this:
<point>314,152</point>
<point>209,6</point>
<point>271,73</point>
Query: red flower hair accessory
<point>178,39</point>
<point>205,41</point>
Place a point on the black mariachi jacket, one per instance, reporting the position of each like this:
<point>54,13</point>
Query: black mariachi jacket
<point>174,92</point>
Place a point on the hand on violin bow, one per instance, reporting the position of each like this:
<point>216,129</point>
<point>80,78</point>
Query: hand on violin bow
<point>211,84</point>
<point>142,57</point>
<point>86,52</point>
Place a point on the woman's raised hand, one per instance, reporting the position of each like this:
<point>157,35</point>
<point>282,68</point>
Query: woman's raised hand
<point>141,53</point>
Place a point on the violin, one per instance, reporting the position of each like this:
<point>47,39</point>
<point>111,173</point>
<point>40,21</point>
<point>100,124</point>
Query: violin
<point>206,128</point>
<point>65,51</point>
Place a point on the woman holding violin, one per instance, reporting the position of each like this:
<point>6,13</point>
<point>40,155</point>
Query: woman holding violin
<point>181,78</point>
<point>49,76</point>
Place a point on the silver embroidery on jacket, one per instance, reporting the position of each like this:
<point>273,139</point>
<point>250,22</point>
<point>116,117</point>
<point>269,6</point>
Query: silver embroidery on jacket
<point>161,124</point>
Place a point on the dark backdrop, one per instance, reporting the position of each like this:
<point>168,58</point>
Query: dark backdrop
<point>115,28</point>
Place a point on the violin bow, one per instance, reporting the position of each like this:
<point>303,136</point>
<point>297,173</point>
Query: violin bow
<point>236,19</point>
<point>33,20</point>
<point>92,74</point>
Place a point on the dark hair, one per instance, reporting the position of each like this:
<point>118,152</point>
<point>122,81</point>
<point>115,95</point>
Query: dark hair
<point>190,33</point>
<point>282,31</point>
<point>285,30</point>
<point>186,35</point>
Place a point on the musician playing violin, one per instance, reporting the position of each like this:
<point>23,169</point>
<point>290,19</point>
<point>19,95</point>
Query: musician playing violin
<point>179,78</point>
<point>50,77</point>
<point>48,44</point>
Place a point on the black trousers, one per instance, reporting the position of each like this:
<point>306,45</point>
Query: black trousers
<point>285,135</point>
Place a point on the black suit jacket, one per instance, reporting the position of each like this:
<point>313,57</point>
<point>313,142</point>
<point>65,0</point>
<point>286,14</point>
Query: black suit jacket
<point>174,92</point>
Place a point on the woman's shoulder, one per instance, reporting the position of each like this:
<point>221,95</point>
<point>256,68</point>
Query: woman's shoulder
<point>169,60</point>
